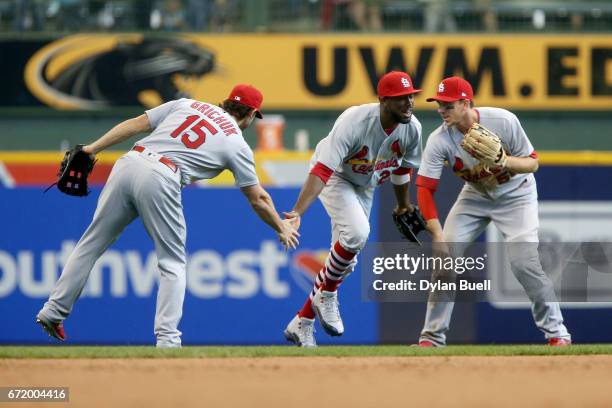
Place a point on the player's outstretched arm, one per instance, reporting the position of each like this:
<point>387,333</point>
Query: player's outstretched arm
<point>263,205</point>
<point>120,133</point>
<point>427,203</point>
<point>310,191</point>
<point>522,164</point>
<point>435,229</point>
<point>430,213</point>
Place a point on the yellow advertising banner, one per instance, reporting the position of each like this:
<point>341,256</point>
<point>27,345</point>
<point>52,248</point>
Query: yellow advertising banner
<point>532,72</point>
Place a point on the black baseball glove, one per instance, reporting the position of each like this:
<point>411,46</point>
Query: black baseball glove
<point>410,224</point>
<point>73,172</point>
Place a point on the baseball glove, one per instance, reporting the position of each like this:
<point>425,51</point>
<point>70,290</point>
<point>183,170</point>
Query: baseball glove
<point>410,224</point>
<point>73,172</point>
<point>485,146</point>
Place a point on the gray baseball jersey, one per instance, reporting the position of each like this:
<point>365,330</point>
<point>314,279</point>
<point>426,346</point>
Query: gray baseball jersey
<point>362,156</point>
<point>359,150</point>
<point>444,147</point>
<point>202,140</point>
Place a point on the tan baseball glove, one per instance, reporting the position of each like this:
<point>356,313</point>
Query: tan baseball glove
<point>485,146</point>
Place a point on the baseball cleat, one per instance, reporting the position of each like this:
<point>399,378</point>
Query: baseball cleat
<point>55,330</point>
<point>559,342</point>
<point>426,343</point>
<point>300,331</point>
<point>326,307</point>
<point>167,346</point>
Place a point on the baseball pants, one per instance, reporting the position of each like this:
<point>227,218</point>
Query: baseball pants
<point>139,185</point>
<point>517,219</point>
<point>348,207</point>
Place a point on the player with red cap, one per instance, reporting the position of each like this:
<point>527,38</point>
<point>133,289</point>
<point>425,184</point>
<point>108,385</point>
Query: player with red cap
<point>247,95</point>
<point>368,145</point>
<point>190,140</point>
<point>505,194</point>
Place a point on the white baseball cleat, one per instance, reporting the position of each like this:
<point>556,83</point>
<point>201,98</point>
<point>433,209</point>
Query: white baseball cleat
<point>167,346</point>
<point>325,305</point>
<point>300,331</point>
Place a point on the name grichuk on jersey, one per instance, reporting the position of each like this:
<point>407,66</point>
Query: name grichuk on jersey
<point>359,150</point>
<point>444,148</point>
<point>202,140</point>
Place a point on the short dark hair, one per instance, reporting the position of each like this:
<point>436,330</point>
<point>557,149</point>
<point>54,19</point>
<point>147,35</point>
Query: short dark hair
<point>238,110</point>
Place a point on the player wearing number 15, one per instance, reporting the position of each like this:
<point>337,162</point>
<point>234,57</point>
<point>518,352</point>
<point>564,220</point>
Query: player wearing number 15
<point>190,140</point>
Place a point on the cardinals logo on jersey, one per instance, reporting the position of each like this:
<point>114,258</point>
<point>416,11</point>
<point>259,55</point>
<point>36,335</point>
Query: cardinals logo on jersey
<point>360,163</point>
<point>478,174</point>
<point>395,148</point>
<point>458,166</point>
<point>359,157</point>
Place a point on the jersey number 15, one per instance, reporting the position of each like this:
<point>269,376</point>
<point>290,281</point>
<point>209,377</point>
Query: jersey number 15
<point>196,128</point>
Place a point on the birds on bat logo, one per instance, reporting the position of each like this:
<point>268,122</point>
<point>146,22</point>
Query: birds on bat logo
<point>359,157</point>
<point>360,163</point>
<point>395,148</point>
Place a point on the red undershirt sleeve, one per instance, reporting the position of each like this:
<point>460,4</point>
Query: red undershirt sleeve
<point>322,171</point>
<point>425,191</point>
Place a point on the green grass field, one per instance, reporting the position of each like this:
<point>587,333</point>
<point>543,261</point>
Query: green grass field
<point>61,351</point>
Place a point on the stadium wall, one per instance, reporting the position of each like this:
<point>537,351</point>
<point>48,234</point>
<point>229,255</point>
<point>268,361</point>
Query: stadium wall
<point>242,288</point>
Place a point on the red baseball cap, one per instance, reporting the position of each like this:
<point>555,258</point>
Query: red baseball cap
<point>395,83</point>
<point>247,95</point>
<point>453,89</point>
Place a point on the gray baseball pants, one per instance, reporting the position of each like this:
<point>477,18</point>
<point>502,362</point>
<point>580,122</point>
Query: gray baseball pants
<point>139,185</point>
<point>518,221</point>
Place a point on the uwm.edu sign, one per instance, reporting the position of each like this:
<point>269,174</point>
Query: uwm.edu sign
<point>327,71</point>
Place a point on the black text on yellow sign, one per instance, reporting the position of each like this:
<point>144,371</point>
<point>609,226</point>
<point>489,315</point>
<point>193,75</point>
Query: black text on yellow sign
<point>523,72</point>
<point>336,71</point>
<point>561,72</point>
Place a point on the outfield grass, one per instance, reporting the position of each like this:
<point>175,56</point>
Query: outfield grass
<point>61,351</point>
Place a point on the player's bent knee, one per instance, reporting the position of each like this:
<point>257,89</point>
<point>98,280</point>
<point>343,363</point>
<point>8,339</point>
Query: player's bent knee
<point>355,240</point>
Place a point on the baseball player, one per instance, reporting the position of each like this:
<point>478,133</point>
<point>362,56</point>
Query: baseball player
<point>190,140</point>
<point>505,194</point>
<point>368,145</point>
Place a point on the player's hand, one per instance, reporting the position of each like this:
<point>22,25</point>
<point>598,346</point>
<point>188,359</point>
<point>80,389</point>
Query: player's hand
<point>288,236</point>
<point>401,210</point>
<point>294,218</point>
<point>439,247</point>
<point>88,149</point>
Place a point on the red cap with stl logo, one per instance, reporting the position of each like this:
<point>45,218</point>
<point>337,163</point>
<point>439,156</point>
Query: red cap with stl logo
<point>395,83</point>
<point>453,89</point>
<point>247,95</point>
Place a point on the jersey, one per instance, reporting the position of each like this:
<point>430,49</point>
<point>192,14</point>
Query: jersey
<point>444,147</point>
<point>359,150</point>
<point>202,140</point>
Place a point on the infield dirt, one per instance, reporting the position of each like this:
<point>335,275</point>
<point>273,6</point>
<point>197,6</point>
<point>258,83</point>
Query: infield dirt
<point>338,382</point>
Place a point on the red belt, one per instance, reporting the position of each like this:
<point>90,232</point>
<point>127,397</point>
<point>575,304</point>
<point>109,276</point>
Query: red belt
<point>162,159</point>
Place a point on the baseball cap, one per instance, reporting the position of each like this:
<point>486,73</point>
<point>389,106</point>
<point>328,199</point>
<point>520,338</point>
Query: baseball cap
<point>395,83</point>
<point>247,95</point>
<point>453,89</point>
